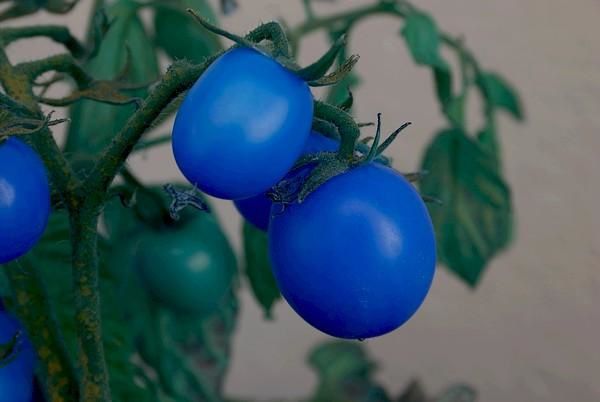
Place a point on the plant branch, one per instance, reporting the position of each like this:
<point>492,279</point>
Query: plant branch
<point>57,33</point>
<point>151,143</point>
<point>84,239</point>
<point>180,76</point>
<point>63,63</point>
<point>397,8</point>
<point>33,308</point>
<point>18,87</point>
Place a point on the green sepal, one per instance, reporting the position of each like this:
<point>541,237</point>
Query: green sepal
<point>319,68</point>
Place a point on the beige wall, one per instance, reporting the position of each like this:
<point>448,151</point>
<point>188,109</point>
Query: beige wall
<point>530,332</point>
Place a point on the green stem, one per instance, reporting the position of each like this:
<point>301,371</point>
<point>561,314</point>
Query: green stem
<point>84,239</point>
<point>346,126</point>
<point>62,63</point>
<point>33,308</point>
<point>397,8</point>
<point>57,33</point>
<point>180,76</point>
<point>151,143</point>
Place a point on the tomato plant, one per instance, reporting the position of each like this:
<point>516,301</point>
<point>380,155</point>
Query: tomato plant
<point>242,125</point>
<point>257,209</point>
<point>24,199</point>
<point>357,258</point>
<point>188,266</point>
<point>17,361</point>
<point>350,244</point>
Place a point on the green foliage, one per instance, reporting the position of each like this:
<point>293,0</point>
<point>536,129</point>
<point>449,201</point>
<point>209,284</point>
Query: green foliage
<point>423,39</point>
<point>258,269</point>
<point>345,374</point>
<point>498,92</point>
<point>127,54</point>
<point>179,35</point>
<point>474,223</point>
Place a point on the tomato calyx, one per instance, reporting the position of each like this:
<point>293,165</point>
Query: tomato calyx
<point>158,207</point>
<point>181,199</point>
<point>277,47</point>
<point>313,170</point>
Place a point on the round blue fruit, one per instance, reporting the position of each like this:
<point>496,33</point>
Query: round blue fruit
<point>242,125</point>
<point>24,199</point>
<point>357,257</point>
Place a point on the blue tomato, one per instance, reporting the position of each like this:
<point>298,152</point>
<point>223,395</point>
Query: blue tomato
<point>24,199</point>
<point>16,374</point>
<point>357,257</point>
<point>242,125</point>
<point>257,209</point>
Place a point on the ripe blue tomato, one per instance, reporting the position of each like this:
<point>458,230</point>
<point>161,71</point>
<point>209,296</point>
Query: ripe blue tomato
<point>257,209</point>
<point>357,257</point>
<point>24,199</point>
<point>16,375</point>
<point>189,267</point>
<point>242,125</point>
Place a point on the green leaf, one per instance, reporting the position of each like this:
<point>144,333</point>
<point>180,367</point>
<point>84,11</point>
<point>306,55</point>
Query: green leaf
<point>180,36</point>
<point>258,269</point>
<point>52,258</point>
<point>475,221</point>
<point>488,140</point>
<point>498,92</point>
<point>339,359</point>
<point>443,83</point>
<point>345,374</point>
<point>94,124</point>
<point>423,39</point>
<point>455,110</point>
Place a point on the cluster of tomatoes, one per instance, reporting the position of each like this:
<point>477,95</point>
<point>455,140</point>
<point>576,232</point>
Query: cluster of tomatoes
<point>24,211</point>
<point>356,258</point>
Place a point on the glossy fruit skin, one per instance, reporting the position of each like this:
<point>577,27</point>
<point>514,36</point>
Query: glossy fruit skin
<point>257,209</point>
<point>357,257</point>
<point>24,199</point>
<point>16,378</point>
<point>189,268</point>
<point>242,125</point>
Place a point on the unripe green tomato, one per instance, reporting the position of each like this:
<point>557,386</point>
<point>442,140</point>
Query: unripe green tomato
<point>189,267</point>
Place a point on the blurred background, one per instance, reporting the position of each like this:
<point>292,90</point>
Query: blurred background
<point>530,330</point>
